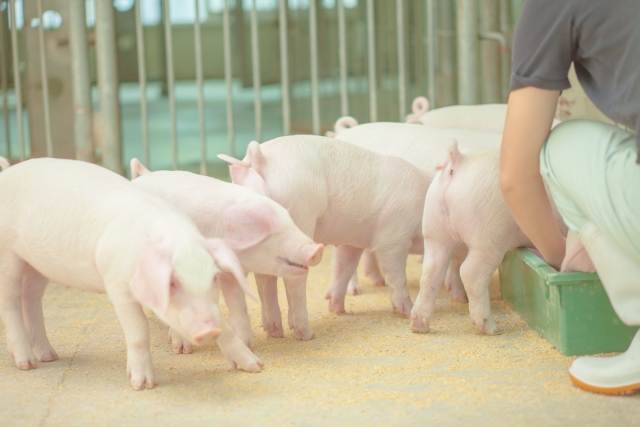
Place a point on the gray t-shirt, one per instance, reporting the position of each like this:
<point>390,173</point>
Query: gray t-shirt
<point>602,39</point>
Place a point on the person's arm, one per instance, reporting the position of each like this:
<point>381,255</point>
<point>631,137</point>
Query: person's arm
<point>529,116</point>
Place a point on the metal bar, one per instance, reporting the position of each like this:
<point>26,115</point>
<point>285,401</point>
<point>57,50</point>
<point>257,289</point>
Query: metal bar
<point>228,76</point>
<point>255,62</point>
<point>199,83</point>
<point>371,43</point>
<point>142,79</point>
<point>108,84</point>
<point>313,46</point>
<point>505,57</point>
<point>171,82</point>
<point>45,81</point>
<point>402,74</point>
<point>490,53</point>
<point>5,84</point>
<point>502,89</point>
<point>467,47</point>
<point>17,81</point>
<point>284,69</point>
<point>431,52</point>
<point>446,80</point>
<point>342,48</point>
<point>82,109</point>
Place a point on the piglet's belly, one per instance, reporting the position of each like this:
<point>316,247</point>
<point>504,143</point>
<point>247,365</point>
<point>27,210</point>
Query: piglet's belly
<point>75,274</point>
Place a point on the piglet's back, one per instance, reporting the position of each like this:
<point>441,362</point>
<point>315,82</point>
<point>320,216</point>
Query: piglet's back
<point>56,210</point>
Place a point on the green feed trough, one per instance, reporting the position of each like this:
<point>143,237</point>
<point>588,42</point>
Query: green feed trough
<point>570,310</point>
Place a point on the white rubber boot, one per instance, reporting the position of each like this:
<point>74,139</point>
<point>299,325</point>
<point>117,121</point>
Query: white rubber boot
<point>620,276</point>
<point>609,375</point>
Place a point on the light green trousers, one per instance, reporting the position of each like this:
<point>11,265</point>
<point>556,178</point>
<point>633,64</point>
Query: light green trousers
<point>593,177</point>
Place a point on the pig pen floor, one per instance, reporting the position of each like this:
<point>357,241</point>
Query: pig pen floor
<point>363,368</point>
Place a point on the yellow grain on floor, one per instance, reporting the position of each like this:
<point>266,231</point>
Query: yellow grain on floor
<point>363,368</point>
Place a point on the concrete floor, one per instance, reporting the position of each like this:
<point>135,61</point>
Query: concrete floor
<point>363,368</point>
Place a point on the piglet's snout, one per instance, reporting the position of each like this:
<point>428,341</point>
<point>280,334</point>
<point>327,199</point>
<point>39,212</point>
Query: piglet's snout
<point>206,333</point>
<point>315,255</point>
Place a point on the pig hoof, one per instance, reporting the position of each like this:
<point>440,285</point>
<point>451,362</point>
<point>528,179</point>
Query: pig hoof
<point>462,298</point>
<point>336,306</point>
<point>353,289</point>
<point>379,283</point>
<point>274,330</point>
<point>26,362</point>
<point>141,384</point>
<point>46,355</point>
<point>404,307</point>
<point>303,333</point>
<point>252,365</point>
<point>420,325</point>
<point>179,344</point>
<point>25,365</point>
<point>241,358</point>
<point>489,327</point>
<point>140,373</point>
<point>182,348</point>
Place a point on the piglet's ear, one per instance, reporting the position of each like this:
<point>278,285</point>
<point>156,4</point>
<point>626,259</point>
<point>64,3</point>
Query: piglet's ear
<point>248,177</point>
<point>151,281</point>
<point>228,262</point>
<point>137,168</point>
<point>249,223</point>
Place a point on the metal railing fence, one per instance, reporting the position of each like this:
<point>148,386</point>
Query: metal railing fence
<point>433,40</point>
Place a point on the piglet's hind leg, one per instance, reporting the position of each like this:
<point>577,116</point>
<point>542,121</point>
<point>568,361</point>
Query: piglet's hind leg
<point>434,268</point>
<point>11,270</point>
<point>345,263</point>
<point>476,272</point>
<point>33,286</point>
<point>393,263</point>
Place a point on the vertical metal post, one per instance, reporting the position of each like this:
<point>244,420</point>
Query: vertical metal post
<point>446,82</point>
<point>467,30</point>
<point>313,42</point>
<point>45,81</point>
<point>142,79</point>
<point>228,76</point>
<point>4,84</point>
<point>490,53</point>
<point>284,69</point>
<point>108,84</point>
<point>402,74</point>
<point>171,82</point>
<point>255,60</point>
<point>17,81</point>
<point>82,110</point>
<point>371,44</point>
<point>199,82</point>
<point>505,57</point>
<point>431,52</point>
<point>342,49</point>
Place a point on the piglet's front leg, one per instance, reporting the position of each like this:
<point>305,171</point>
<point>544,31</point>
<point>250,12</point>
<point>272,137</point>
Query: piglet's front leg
<point>238,316</point>
<point>136,333</point>
<point>236,352</point>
